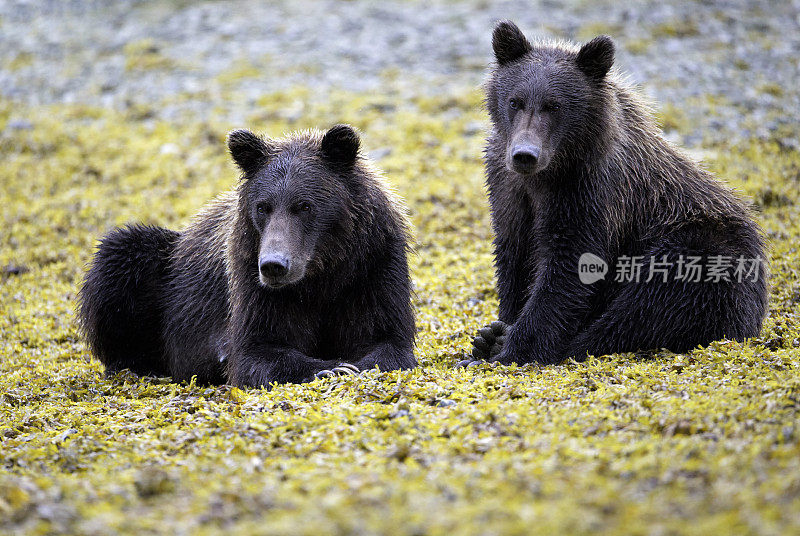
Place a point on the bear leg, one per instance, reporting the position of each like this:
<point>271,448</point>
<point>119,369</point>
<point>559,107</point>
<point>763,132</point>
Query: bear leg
<point>120,301</point>
<point>677,315</point>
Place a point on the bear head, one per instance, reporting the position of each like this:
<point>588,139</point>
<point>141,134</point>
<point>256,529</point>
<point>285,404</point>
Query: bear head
<point>547,100</point>
<point>294,201</point>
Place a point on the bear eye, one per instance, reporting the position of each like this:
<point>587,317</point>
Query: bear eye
<point>551,106</point>
<point>515,103</point>
<point>303,206</point>
<point>263,209</point>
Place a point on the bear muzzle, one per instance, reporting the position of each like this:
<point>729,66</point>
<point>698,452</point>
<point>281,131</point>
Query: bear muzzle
<point>276,270</point>
<point>525,157</point>
<point>273,266</point>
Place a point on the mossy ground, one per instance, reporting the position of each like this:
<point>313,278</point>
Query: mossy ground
<point>700,443</point>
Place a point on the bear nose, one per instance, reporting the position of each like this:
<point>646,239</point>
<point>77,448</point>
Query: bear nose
<point>274,266</point>
<point>525,156</point>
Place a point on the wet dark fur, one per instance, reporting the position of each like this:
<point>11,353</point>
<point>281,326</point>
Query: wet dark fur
<point>121,309</point>
<point>613,187</point>
<point>190,303</point>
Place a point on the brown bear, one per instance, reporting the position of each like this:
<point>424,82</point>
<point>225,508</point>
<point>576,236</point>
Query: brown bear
<point>608,238</point>
<point>299,272</point>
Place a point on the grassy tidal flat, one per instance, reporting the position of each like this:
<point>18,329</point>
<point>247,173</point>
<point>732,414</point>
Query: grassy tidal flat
<point>706,442</point>
<point>127,122</point>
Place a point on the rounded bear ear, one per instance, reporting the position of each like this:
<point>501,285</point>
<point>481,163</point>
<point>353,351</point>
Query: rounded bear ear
<point>248,150</point>
<point>340,145</point>
<point>596,57</point>
<point>508,42</point>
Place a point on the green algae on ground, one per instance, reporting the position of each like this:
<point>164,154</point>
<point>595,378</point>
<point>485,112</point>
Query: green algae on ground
<point>697,443</point>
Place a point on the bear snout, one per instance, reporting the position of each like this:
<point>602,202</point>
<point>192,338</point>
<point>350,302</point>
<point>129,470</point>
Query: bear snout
<point>524,157</point>
<point>273,266</point>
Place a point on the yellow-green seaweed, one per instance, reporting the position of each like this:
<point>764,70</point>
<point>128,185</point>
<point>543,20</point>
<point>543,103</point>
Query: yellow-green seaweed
<point>701,443</point>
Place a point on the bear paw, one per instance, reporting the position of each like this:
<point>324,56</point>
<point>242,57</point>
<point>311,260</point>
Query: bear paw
<point>489,341</point>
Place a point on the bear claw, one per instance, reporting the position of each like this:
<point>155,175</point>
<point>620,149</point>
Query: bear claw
<point>342,369</point>
<point>466,363</point>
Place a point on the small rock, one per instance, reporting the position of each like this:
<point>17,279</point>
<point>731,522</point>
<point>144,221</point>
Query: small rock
<point>380,153</point>
<point>789,144</point>
<point>473,127</point>
<point>153,481</point>
<point>15,269</point>
<point>19,124</point>
<point>169,148</point>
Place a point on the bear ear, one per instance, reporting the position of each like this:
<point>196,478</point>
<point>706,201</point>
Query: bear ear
<point>248,150</point>
<point>508,42</point>
<point>340,145</point>
<point>596,57</point>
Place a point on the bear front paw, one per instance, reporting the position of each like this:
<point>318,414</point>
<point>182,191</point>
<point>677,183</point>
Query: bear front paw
<point>489,341</point>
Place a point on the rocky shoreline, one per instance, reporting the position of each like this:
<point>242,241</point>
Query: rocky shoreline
<point>729,68</point>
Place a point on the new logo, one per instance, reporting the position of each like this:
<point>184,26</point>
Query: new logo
<point>591,268</point>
